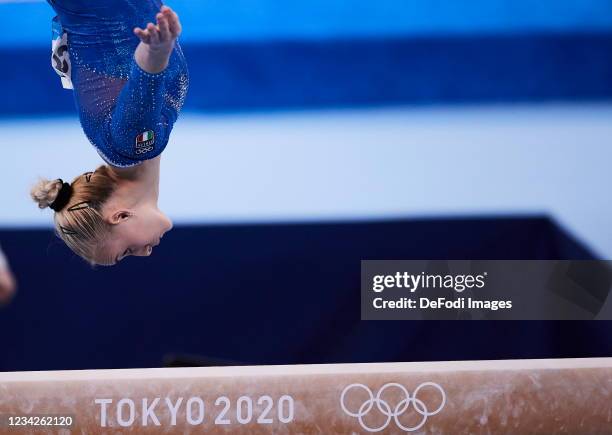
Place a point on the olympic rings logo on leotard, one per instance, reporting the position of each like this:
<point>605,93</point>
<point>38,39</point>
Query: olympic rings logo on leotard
<point>387,410</point>
<point>143,150</point>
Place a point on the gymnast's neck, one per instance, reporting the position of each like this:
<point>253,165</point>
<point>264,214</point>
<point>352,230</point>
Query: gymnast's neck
<point>138,183</point>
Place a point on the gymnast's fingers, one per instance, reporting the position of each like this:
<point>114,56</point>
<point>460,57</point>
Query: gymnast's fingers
<point>167,12</point>
<point>173,21</point>
<point>154,32</point>
<point>164,28</point>
<point>142,34</point>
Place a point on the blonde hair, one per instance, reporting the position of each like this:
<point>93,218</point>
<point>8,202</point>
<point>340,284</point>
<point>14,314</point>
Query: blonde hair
<point>80,224</point>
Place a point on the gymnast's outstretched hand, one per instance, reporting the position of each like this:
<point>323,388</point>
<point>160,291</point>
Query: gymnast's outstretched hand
<point>157,41</point>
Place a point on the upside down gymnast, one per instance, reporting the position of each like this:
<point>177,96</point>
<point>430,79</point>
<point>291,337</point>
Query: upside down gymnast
<point>130,79</point>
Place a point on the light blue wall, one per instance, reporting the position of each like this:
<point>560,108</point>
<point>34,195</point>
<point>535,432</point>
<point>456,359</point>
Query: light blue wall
<point>352,165</point>
<point>28,23</point>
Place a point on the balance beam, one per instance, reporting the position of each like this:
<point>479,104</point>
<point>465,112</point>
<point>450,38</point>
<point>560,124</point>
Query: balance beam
<point>571,396</point>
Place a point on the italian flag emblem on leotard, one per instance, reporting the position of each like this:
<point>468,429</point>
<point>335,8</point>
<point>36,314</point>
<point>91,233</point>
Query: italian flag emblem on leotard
<point>145,142</point>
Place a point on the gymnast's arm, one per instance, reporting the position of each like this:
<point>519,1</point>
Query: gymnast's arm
<point>140,107</point>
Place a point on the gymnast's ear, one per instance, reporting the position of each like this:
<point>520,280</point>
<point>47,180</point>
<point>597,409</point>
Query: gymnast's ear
<point>119,216</point>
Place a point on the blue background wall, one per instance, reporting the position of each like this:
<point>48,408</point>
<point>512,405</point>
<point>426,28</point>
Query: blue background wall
<point>267,54</point>
<point>232,20</point>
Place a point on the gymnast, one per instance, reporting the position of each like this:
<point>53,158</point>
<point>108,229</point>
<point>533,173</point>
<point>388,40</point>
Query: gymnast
<point>129,84</point>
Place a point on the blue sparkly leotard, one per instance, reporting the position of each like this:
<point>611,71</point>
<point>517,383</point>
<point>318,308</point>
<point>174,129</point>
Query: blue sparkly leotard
<point>126,113</point>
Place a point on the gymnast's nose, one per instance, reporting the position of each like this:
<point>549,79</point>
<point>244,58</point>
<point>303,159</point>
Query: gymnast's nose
<point>167,227</point>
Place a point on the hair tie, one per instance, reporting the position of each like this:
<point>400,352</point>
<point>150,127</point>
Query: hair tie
<point>63,197</point>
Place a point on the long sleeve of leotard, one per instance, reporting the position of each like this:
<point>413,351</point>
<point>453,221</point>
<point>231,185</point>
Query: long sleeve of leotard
<point>141,123</point>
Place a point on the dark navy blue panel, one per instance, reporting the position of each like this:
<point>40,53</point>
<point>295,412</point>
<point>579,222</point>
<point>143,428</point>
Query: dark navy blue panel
<point>339,73</point>
<point>269,294</point>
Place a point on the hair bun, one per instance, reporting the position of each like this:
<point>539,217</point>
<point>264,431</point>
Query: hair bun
<point>45,192</point>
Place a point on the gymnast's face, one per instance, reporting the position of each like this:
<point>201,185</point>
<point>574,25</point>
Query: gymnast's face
<point>134,233</point>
